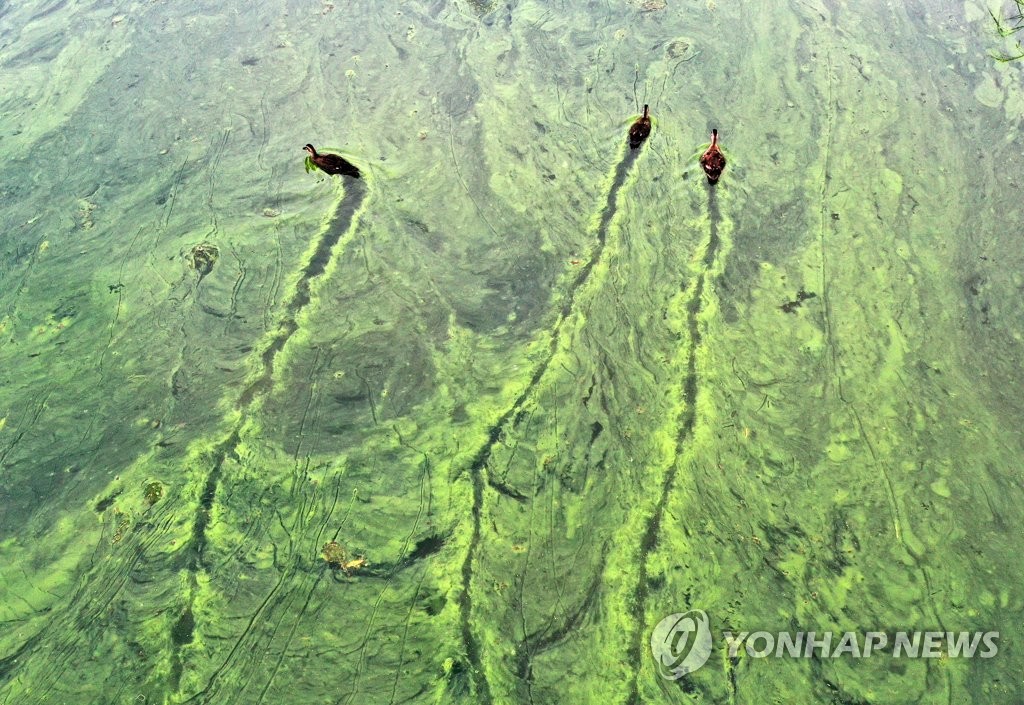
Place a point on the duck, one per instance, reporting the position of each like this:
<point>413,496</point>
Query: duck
<point>713,161</point>
<point>332,163</point>
<point>639,130</point>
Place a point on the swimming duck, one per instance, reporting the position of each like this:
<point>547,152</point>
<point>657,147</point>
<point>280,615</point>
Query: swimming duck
<point>332,163</point>
<point>639,130</point>
<point>713,161</point>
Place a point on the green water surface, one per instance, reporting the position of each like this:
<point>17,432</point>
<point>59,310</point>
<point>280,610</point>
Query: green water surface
<point>550,390</point>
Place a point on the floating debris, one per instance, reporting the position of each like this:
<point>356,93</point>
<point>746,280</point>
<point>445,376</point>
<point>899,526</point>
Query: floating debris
<point>337,558</point>
<point>202,258</point>
<point>648,5</point>
<point>153,493</point>
<point>85,211</point>
<point>680,48</point>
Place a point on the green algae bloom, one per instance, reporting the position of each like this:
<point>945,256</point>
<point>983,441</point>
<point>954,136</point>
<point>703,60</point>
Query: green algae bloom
<point>468,429</point>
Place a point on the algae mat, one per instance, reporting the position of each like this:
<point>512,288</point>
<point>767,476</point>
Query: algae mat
<point>467,430</point>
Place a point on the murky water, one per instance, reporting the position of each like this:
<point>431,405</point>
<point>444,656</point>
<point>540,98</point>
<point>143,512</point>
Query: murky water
<point>469,429</point>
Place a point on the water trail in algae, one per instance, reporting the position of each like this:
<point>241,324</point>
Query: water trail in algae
<point>342,220</point>
<point>685,425</point>
<point>478,468</point>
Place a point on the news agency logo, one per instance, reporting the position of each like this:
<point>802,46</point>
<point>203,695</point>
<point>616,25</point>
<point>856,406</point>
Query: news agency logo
<point>856,645</point>
<point>681,643</point>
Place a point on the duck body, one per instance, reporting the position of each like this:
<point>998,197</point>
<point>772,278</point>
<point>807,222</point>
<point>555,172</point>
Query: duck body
<point>713,161</point>
<point>639,130</point>
<point>332,163</point>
